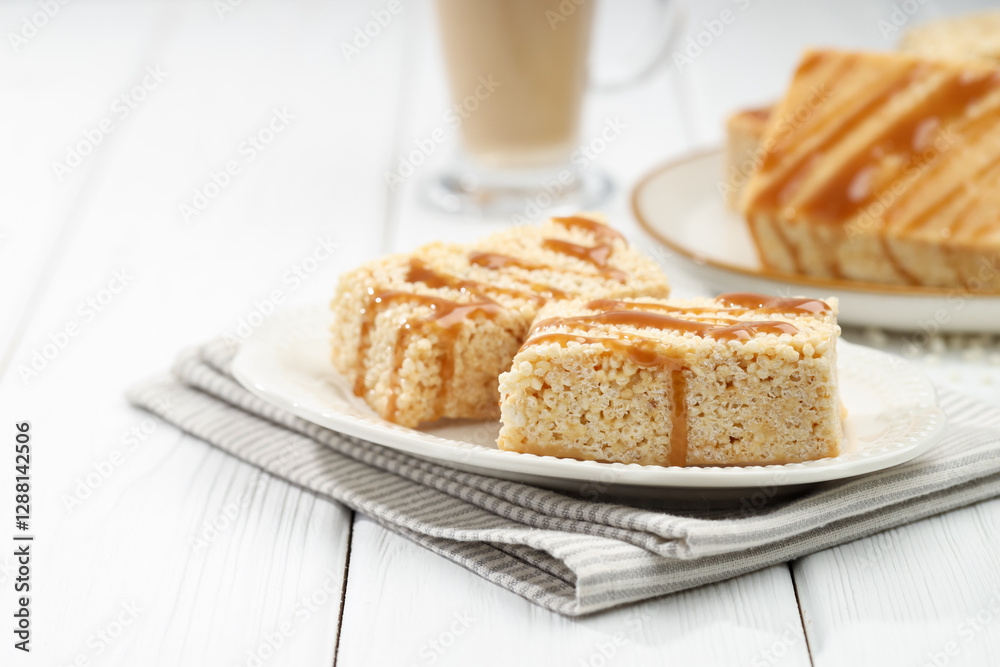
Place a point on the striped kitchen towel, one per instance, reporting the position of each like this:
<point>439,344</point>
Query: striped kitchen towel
<point>570,555</point>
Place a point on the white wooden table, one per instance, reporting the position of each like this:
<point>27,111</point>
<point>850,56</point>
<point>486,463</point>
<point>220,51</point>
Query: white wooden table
<point>172,168</point>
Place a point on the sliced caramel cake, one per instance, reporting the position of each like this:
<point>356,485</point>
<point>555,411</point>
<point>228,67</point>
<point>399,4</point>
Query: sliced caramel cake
<point>967,37</point>
<point>890,172</point>
<point>744,131</point>
<point>426,335</point>
<point>738,380</point>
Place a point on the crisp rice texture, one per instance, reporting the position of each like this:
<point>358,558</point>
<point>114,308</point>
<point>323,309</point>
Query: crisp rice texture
<point>412,368</point>
<point>967,37</point>
<point>770,399</point>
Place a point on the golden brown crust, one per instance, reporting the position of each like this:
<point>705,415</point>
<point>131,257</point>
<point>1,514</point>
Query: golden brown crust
<point>888,172</point>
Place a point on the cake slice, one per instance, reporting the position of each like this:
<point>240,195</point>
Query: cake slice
<point>744,132</point>
<point>743,379</point>
<point>890,175</point>
<point>967,37</point>
<point>425,335</point>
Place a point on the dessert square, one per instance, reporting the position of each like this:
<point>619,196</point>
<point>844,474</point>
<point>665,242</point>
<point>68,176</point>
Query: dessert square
<point>882,168</point>
<point>743,379</point>
<point>425,335</point>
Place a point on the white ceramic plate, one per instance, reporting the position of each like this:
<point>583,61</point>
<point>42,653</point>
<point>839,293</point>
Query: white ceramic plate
<point>679,205</point>
<point>892,417</point>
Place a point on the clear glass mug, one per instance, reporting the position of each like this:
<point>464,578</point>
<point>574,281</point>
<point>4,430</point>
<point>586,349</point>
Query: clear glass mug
<point>518,70</point>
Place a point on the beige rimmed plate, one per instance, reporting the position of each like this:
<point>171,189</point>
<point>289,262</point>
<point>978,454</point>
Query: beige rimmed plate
<point>679,206</point>
<point>892,417</point>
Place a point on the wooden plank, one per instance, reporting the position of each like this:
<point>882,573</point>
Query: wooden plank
<point>923,594</point>
<point>220,563</point>
<point>65,115</point>
<point>442,614</point>
<point>126,499</point>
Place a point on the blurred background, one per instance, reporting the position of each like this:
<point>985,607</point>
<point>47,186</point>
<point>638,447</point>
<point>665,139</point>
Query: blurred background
<point>175,170</point>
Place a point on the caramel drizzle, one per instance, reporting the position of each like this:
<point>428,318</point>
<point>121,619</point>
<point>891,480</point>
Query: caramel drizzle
<point>759,113</point>
<point>845,123</point>
<point>645,353</point>
<point>980,210</point>
<point>496,262</point>
<point>615,304</point>
<point>769,304</point>
<point>678,418</point>
<point>597,256</point>
<point>600,231</point>
<point>446,315</point>
<point>722,329</point>
<point>791,248</point>
<point>894,262</point>
<point>419,272</point>
<point>648,353</point>
<point>948,197</point>
<point>971,134</point>
<point>816,123</point>
<point>810,61</point>
<point>739,302</point>
<point>834,201</point>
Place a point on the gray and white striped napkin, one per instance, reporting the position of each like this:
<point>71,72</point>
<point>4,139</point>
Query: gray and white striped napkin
<point>570,555</point>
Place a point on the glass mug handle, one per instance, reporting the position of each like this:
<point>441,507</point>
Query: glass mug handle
<point>669,18</point>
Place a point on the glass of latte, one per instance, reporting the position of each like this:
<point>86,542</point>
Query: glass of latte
<point>518,74</point>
